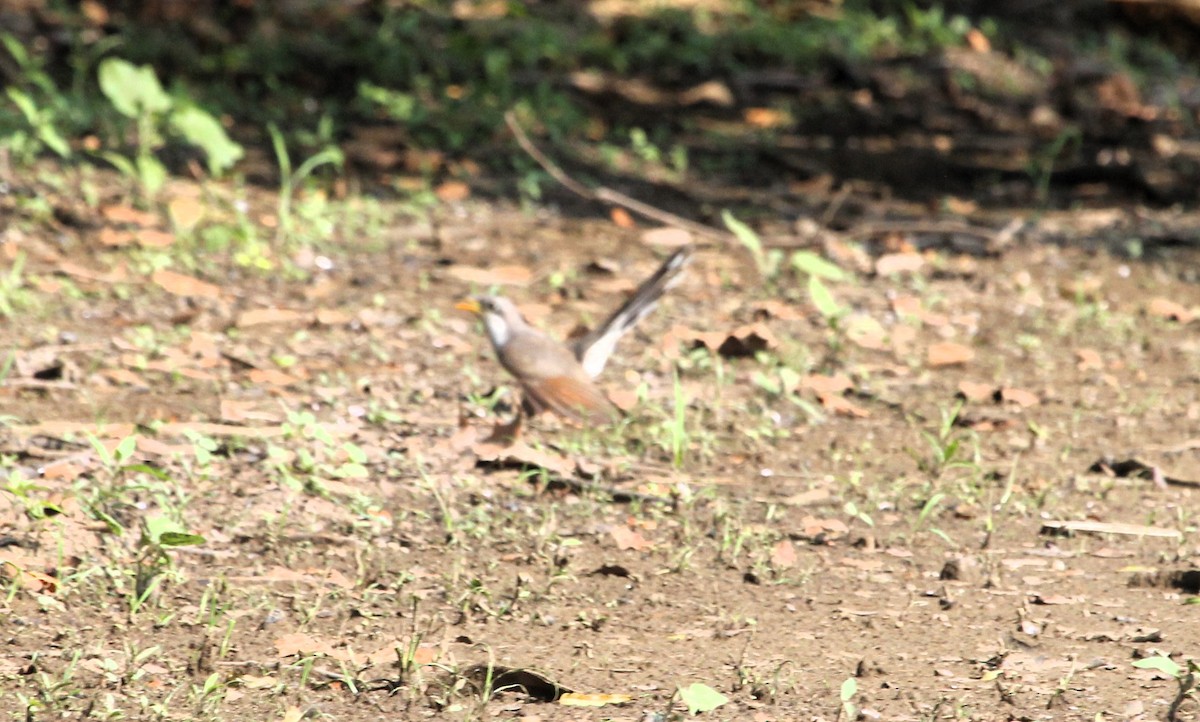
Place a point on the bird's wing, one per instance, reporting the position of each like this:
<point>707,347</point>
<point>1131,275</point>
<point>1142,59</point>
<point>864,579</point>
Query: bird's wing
<point>571,397</point>
<point>594,349</point>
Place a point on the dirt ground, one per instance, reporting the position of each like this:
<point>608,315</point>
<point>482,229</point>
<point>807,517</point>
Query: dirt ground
<point>805,506</point>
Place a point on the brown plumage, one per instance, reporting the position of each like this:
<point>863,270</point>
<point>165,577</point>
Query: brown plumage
<point>555,376</point>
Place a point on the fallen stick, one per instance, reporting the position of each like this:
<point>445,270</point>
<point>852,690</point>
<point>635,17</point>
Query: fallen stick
<point>608,195</point>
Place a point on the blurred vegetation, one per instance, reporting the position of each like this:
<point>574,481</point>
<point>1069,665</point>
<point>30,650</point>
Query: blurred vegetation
<point>417,87</point>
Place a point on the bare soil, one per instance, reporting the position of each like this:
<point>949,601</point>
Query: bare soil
<point>802,539</point>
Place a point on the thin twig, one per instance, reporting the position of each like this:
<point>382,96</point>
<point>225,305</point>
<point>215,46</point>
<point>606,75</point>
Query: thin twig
<point>607,195</point>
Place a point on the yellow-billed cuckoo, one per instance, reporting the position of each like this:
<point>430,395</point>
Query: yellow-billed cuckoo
<point>557,376</point>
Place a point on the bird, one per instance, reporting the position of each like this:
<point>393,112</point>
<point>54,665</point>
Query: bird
<point>558,376</point>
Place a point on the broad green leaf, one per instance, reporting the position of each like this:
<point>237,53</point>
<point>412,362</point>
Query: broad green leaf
<point>814,265</point>
<point>701,698</point>
<point>826,304</point>
<point>849,689</point>
<point>132,90</point>
<point>1166,665</point>
<point>201,129</point>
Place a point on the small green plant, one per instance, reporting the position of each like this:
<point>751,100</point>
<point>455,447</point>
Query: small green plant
<point>701,698</point>
<point>136,94</point>
<point>678,425</point>
<point>289,179</point>
<point>1185,677</point>
<point>1041,164</point>
<point>946,448</point>
<point>928,511</point>
<point>159,535</point>
<point>768,261</point>
<point>848,710</point>
<point>41,108</point>
<point>14,296</point>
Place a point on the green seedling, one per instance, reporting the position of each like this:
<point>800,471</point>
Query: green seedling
<point>41,106</point>
<point>1185,677</point>
<point>136,93</point>
<point>290,179</point>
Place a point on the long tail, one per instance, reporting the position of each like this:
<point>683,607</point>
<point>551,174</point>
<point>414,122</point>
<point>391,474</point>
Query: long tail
<point>594,349</point>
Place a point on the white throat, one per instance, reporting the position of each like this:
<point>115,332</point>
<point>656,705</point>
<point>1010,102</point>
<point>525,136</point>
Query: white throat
<point>498,329</point>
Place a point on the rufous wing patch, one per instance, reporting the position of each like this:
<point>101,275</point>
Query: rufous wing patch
<point>571,398</point>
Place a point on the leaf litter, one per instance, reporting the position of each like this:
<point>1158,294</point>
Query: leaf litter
<point>428,547</point>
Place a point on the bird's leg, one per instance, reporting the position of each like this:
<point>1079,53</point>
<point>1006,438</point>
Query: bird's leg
<point>507,433</point>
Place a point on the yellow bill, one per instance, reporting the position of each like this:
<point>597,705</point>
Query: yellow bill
<point>469,304</point>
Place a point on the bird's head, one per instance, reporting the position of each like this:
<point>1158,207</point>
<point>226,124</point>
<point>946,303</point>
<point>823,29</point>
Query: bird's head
<point>500,316</point>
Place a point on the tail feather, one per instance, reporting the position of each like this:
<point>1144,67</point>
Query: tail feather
<point>594,349</point>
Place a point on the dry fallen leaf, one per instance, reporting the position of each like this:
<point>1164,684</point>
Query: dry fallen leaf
<point>742,341</point>
<point>127,214</point>
<point>977,392</point>
<point>949,353</point>
<point>830,385</point>
<point>150,238</point>
<point>271,377</point>
<point>520,454</point>
<point>1020,397</point>
<point>1170,310</point>
<point>263,316</point>
<point>783,556</point>
<point>182,285</point>
<point>765,117</point>
<point>623,399</point>
<point>667,237</point>
<point>18,568</point>
<point>629,539</point>
<point>1089,360</point>
<point>114,237</point>
<point>842,406</point>
<point>977,41</point>
<point>581,699</point>
<point>185,211</point>
<point>892,263</point>
<point>499,275</point>
<point>621,217</point>
<point>451,191</point>
<point>303,645</point>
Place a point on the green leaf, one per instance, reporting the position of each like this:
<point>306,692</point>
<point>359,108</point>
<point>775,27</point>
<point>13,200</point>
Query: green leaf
<point>350,470</point>
<point>125,448</point>
<point>355,452</point>
<point>826,304</point>
<point>814,265</point>
<point>16,49</point>
<point>201,129</point>
<point>133,90</point>
<point>121,163</point>
<point>24,103</point>
<point>179,539</point>
<point>328,156</point>
<point>701,698</point>
<point>849,689</point>
<point>745,234</point>
<point>55,142</point>
<point>1166,665</point>
<point>151,173</point>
